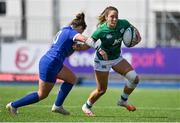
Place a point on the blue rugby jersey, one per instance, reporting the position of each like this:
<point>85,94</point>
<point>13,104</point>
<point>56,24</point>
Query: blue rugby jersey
<point>62,44</point>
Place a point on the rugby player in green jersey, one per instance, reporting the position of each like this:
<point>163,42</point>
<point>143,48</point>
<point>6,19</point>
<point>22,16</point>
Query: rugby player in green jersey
<point>110,31</point>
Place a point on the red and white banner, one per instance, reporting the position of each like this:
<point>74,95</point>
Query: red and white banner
<point>12,77</point>
<point>21,57</point>
<point>9,77</point>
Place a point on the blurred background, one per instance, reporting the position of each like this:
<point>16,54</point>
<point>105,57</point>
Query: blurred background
<point>27,28</point>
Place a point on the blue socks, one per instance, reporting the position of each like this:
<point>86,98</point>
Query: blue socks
<point>64,91</point>
<point>28,99</point>
<point>33,97</point>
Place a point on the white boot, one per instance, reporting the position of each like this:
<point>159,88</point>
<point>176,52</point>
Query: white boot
<point>59,109</point>
<point>87,110</point>
<point>11,109</point>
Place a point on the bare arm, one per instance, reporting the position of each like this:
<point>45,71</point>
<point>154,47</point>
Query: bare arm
<point>79,47</point>
<point>88,41</point>
<point>80,38</point>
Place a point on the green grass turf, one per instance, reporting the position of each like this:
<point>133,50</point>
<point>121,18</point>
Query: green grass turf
<point>153,105</point>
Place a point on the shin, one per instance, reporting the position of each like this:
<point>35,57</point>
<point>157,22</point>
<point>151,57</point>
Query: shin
<point>131,84</point>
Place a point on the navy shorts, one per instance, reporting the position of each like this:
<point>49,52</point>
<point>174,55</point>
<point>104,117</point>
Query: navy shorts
<point>49,68</point>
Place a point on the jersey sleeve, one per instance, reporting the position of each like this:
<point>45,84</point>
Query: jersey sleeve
<point>96,34</point>
<point>73,34</point>
<point>124,22</point>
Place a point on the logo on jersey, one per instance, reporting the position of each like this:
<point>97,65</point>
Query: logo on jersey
<point>122,30</point>
<point>108,36</point>
<point>117,41</point>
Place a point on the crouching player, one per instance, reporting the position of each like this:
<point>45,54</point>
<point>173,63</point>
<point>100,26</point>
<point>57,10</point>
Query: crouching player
<point>51,67</point>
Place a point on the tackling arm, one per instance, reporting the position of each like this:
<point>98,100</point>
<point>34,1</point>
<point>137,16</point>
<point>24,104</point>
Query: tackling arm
<point>88,41</point>
<point>92,43</point>
<point>80,46</point>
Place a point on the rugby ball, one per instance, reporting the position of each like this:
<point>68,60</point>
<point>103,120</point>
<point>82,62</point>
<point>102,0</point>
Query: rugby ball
<point>128,36</point>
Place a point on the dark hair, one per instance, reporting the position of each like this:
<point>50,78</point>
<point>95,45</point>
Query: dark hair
<point>79,21</point>
<point>102,16</point>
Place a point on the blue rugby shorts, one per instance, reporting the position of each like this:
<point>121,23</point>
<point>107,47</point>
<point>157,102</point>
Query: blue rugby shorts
<point>49,68</point>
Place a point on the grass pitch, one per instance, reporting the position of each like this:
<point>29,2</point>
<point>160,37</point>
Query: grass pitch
<point>153,105</point>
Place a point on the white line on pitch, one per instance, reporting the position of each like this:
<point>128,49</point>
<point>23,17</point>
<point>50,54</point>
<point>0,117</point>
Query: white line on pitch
<point>110,107</point>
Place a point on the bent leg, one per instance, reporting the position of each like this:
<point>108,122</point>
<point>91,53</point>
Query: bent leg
<point>125,69</point>
<point>101,81</point>
<point>44,89</point>
<point>69,80</point>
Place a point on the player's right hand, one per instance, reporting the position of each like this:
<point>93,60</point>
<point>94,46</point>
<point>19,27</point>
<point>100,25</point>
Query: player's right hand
<point>103,54</point>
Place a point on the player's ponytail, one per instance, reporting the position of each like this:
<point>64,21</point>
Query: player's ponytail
<point>80,16</point>
<point>104,14</point>
<point>79,21</point>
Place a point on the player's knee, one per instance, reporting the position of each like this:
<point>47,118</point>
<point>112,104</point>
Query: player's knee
<point>101,92</point>
<point>73,80</point>
<point>132,78</point>
<point>76,80</point>
<point>42,95</point>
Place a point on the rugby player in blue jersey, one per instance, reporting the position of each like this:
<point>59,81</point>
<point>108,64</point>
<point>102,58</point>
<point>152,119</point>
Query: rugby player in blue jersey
<point>51,67</point>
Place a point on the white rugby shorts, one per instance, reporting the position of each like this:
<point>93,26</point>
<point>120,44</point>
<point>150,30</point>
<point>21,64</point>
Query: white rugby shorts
<point>102,65</point>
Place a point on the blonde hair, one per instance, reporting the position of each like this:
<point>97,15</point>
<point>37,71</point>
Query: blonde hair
<point>104,14</point>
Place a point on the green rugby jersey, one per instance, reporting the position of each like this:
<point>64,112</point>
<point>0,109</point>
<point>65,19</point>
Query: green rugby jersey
<point>111,39</point>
